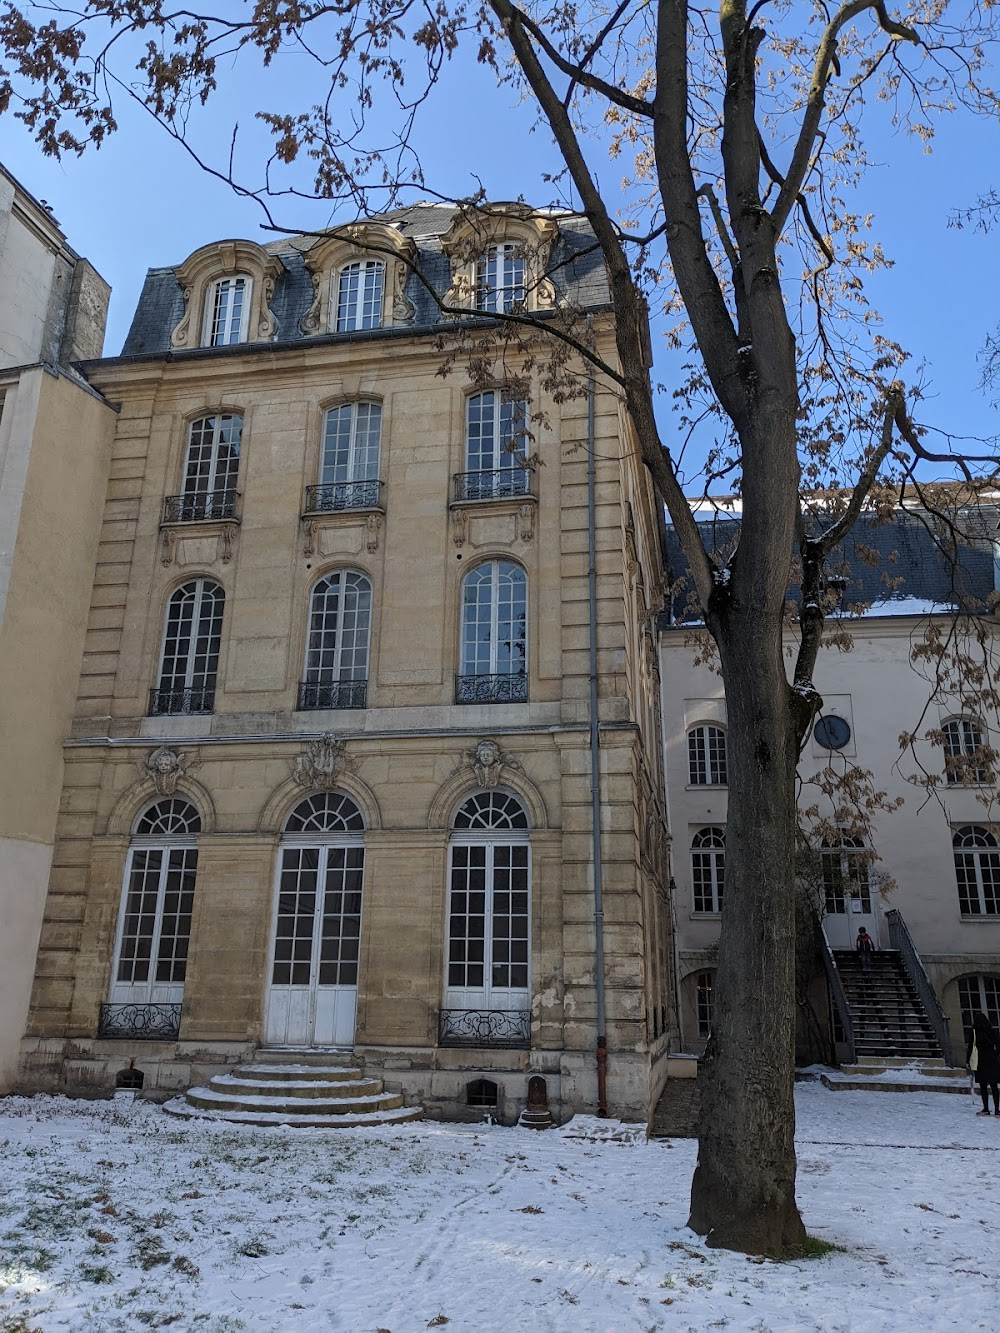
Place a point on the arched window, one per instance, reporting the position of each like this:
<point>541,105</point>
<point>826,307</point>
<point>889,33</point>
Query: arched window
<point>211,468</point>
<point>336,674</point>
<point>979,995</point>
<point>963,747</point>
<point>707,756</point>
<point>360,293</point>
<point>708,868</point>
<point>191,641</point>
<point>154,924</point>
<point>313,988</point>
<point>500,279</point>
<point>487,995</point>
<point>977,870</point>
<point>845,875</point>
<point>494,652</point>
<point>496,440</point>
<point>227,311</point>
<point>349,463</point>
<point>704,992</point>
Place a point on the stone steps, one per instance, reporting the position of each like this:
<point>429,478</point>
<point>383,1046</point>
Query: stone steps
<point>896,1075</point>
<point>300,1092</point>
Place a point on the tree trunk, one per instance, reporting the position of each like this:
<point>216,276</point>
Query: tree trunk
<point>743,1193</point>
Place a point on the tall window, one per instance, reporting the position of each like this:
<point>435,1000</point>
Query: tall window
<point>707,756</point>
<point>708,868</point>
<point>227,311</point>
<point>979,995</point>
<point>977,870</point>
<point>154,926</point>
<point>488,919</point>
<point>500,279</point>
<point>211,468</point>
<point>494,653</point>
<point>495,443</point>
<point>191,640</point>
<point>360,289</point>
<point>845,875</point>
<point>963,747</point>
<point>703,996</point>
<point>349,463</point>
<point>336,674</point>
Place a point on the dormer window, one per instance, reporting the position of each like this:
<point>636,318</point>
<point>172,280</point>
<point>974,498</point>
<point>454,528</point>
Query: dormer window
<point>227,311</point>
<point>500,279</point>
<point>360,296</point>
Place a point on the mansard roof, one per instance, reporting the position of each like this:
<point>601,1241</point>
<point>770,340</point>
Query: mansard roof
<point>575,266</point>
<point>904,567</point>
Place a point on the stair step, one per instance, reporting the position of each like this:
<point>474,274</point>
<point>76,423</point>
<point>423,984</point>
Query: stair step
<point>301,1073</point>
<point>303,1055</point>
<point>401,1116</point>
<point>209,1099</point>
<point>328,1088</point>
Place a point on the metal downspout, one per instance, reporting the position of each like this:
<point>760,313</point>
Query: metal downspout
<point>595,771</point>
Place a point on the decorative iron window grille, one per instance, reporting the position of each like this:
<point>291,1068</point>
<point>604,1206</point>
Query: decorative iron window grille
<point>507,688</point>
<point>343,495</point>
<point>199,508</point>
<point>139,1022</point>
<point>498,484</point>
<point>332,694</point>
<point>163,702</point>
<point>485,1027</point>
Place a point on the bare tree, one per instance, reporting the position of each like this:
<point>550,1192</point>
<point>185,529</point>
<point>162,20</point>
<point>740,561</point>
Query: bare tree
<point>742,224</point>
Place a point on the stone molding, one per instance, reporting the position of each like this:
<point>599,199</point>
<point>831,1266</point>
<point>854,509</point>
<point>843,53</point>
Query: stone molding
<point>505,772</point>
<point>473,232</point>
<point>223,259</point>
<point>291,791</point>
<point>369,240</point>
<point>144,791</point>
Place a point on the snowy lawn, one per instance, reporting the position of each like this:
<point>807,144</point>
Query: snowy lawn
<point>118,1217</point>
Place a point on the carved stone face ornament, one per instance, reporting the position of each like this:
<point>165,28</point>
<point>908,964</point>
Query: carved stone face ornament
<point>489,761</point>
<point>321,762</point>
<point>166,767</point>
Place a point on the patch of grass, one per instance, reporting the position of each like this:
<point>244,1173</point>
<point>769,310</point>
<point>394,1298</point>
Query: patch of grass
<point>184,1265</point>
<point>254,1248</point>
<point>819,1249</point>
<point>96,1273</point>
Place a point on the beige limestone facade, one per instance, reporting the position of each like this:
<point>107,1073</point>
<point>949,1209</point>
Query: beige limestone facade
<point>55,447</point>
<point>393,746</point>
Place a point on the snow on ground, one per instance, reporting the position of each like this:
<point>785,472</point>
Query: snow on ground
<point>117,1217</point>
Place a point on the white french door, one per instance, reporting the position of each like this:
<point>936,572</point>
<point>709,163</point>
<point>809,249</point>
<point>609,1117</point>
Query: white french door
<point>488,926</point>
<point>154,926</point>
<point>312,995</point>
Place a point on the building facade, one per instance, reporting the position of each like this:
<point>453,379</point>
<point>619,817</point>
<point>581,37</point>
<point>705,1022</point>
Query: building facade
<point>328,778</point>
<point>55,445</point>
<point>939,857</point>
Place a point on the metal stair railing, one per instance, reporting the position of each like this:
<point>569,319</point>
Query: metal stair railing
<point>902,942</point>
<point>837,991</point>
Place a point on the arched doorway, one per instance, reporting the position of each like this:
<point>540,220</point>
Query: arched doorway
<point>312,994</point>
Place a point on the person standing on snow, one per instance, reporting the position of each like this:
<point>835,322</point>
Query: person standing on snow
<point>982,1058</point>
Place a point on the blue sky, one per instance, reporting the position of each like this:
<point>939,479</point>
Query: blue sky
<point>141,202</point>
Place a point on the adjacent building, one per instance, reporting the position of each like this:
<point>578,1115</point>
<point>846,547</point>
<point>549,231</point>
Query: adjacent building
<point>328,776</point>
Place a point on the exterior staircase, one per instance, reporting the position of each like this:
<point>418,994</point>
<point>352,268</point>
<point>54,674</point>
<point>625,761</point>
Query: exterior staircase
<point>306,1089</point>
<point>887,1015</point>
<point>896,1075</point>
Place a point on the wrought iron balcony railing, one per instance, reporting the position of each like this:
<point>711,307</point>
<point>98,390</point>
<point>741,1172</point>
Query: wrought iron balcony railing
<point>169,701</point>
<point>332,694</point>
<point>485,1027</point>
<point>200,508</point>
<point>343,495</point>
<point>499,484</point>
<point>139,1022</point>
<point>506,688</point>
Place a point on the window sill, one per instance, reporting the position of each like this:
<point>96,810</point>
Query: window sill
<point>992,918</point>
<point>705,916</point>
<point>707,786</point>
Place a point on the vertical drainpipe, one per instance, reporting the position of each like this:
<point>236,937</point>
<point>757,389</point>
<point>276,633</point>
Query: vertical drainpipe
<point>595,771</point>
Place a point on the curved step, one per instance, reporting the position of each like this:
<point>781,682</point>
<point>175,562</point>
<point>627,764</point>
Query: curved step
<point>328,1088</point>
<point>301,1073</point>
<point>209,1099</point>
<point>401,1116</point>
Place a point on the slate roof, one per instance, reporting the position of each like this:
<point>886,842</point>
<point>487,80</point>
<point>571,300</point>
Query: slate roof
<point>576,268</point>
<point>901,567</point>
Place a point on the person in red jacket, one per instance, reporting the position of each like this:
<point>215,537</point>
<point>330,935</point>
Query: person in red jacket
<point>865,946</point>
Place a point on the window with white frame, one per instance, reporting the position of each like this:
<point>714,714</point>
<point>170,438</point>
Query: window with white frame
<point>704,993</point>
<point>979,995</point>
<point>360,295</point>
<point>707,756</point>
<point>349,462</point>
<point>500,273</point>
<point>336,668</point>
<point>845,875</point>
<point>977,870</point>
<point>494,649</point>
<point>192,637</point>
<point>488,906</point>
<point>496,439</point>
<point>708,868</point>
<point>154,926</point>
<point>227,311</point>
<point>963,751</point>
<point>211,470</point>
